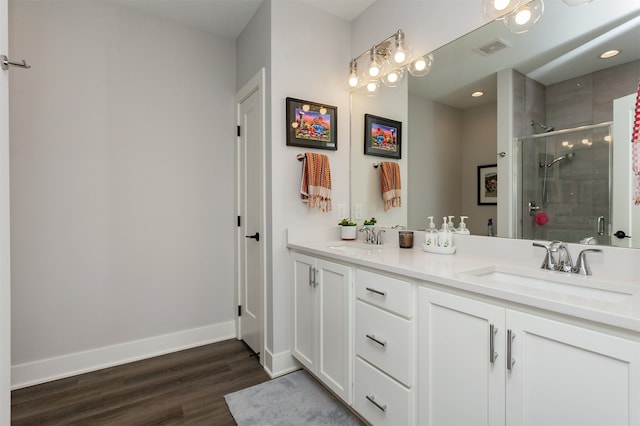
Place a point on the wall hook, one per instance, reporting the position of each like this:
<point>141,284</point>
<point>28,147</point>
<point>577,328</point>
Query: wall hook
<point>6,63</point>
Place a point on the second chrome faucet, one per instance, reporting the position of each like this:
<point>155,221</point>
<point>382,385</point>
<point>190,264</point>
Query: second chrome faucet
<point>558,258</point>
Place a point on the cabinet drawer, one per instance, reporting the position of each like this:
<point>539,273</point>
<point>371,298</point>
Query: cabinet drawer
<point>388,293</point>
<point>385,341</point>
<point>380,399</point>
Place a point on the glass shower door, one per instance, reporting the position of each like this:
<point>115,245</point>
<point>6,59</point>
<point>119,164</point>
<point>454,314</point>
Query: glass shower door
<point>566,185</point>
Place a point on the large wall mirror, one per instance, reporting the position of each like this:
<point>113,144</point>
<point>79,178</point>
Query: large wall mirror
<point>553,118</point>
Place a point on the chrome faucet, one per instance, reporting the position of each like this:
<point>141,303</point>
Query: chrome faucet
<point>558,258</point>
<point>582,267</point>
<point>378,237</point>
<point>370,233</point>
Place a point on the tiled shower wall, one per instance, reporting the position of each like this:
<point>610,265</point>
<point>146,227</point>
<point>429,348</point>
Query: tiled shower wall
<point>578,189</point>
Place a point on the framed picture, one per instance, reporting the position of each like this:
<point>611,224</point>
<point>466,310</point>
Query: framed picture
<point>382,136</point>
<point>311,125</point>
<point>488,184</point>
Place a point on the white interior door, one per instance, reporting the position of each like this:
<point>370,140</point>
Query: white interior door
<point>250,198</point>
<point>625,215</point>
<point>5,284</point>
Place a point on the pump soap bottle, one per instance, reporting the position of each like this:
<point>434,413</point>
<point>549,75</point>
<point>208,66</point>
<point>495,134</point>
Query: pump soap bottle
<point>445,237</point>
<point>431,234</point>
<point>463,226</point>
<point>451,225</point>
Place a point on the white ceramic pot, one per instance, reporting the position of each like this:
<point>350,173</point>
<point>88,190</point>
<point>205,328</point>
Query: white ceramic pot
<point>348,232</point>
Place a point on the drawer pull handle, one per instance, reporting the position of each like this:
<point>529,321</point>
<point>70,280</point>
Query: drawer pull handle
<point>492,336</point>
<point>381,407</point>
<point>510,360</point>
<point>378,341</point>
<point>373,290</point>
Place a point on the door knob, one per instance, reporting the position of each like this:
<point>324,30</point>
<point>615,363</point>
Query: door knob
<point>255,236</point>
<point>621,235</point>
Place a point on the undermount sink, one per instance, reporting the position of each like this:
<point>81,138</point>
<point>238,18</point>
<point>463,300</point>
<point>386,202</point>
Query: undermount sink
<point>558,282</point>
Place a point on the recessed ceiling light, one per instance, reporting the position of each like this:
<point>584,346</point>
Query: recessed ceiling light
<point>609,54</point>
<point>477,94</point>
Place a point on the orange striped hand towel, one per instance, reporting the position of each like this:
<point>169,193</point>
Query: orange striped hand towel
<point>390,184</point>
<point>315,188</point>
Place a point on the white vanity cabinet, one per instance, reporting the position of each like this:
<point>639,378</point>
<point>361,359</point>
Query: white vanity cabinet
<point>485,364</point>
<point>322,325</point>
<point>385,349</point>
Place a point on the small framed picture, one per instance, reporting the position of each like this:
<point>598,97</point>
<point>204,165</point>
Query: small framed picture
<point>382,137</point>
<point>488,184</point>
<point>311,125</point>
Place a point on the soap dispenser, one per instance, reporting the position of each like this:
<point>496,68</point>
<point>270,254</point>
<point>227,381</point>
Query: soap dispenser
<point>463,226</point>
<point>445,237</point>
<point>431,234</point>
<point>452,227</point>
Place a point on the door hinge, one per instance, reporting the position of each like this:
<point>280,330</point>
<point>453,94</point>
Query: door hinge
<point>238,221</point>
<point>239,310</point>
<point>238,131</point>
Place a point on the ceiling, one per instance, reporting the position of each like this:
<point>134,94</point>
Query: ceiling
<point>227,18</point>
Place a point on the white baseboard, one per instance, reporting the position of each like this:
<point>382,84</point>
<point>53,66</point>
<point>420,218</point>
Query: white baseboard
<point>32,373</point>
<point>279,364</point>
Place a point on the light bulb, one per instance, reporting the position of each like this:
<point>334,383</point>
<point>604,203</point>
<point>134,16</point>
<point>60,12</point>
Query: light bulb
<point>305,108</point>
<point>524,17</point>
<point>323,110</point>
<point>372,86</point>
<point>421,65</point>
<point>375,67</point>
<point>500,4</point>
<point>393,78</point>
<point>353,74</point>
<point>401,51</point>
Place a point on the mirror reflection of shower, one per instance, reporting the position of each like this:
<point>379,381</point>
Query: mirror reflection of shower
<point>565,183</point>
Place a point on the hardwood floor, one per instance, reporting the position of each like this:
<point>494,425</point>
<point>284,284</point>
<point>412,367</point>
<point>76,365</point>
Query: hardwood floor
<point>185,387</point>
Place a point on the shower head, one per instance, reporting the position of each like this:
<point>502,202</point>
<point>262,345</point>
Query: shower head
<point>567,156</point>
<point>543,126</point>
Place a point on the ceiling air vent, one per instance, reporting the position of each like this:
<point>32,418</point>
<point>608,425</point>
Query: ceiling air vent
<point>492,47</point>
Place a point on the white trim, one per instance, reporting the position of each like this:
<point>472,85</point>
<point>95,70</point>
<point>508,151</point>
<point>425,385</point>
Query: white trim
<point>5,262</point>
<point>45,370</point>
<point>280,364</point>
<point>256,84</point>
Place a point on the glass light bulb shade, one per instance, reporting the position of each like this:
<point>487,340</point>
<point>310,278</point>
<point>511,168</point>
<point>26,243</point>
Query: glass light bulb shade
<point>401,54</point>
<point>495,9</point>
<point>577,2</point>
<point>393,78</point>
<point>372,87</point>
<point>353,79</point>
<point>375,68</point>
<point>421,65</point>
<point>524,17</point>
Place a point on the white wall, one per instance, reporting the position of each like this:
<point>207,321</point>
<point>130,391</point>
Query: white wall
<point>5,259</point>
<point>310,56</point>
<point>121,155</point>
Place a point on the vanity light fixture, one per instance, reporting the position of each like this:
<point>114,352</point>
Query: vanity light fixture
<point>609,54</point>
<point>389,61</point>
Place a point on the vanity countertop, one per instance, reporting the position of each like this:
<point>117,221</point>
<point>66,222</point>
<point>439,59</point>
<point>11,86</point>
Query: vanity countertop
<point>458,271</point>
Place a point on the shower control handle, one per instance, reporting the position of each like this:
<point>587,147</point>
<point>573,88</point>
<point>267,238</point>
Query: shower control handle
<point>621,235</point>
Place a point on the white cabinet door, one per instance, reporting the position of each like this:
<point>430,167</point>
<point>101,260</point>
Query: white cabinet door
<point>335,351</point>
<point>461,381</point>
<point>322,325</point>
<point>568,375</point>
<point>304,311</point>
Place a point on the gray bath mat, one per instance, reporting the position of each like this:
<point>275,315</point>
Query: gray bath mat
<point>295,399</point>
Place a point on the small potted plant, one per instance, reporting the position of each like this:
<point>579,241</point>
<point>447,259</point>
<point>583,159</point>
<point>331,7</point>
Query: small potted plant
<point>370,222</point>
<point>347,229</point>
